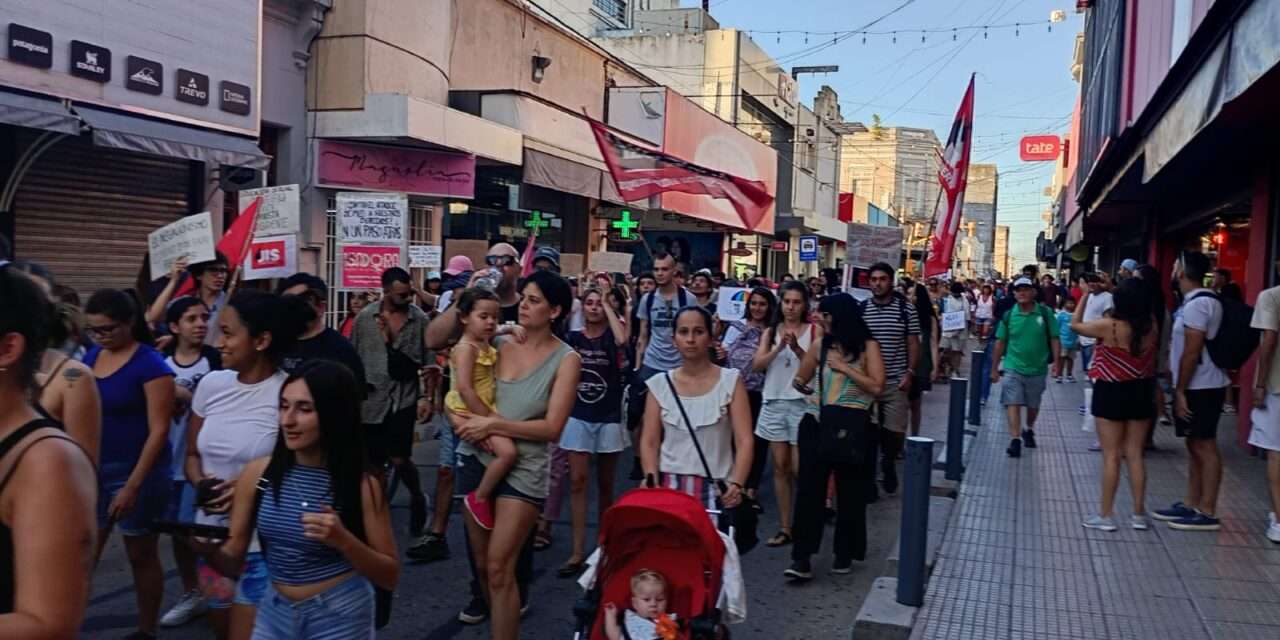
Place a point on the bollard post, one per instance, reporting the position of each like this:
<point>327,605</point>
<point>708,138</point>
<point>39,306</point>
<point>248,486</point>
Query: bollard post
<point>914,536</point>
<point>977,362</point>
<point>955,430</point>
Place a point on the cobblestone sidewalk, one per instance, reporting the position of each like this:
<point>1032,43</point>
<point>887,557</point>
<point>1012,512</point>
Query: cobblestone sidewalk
<point>1016,563</point>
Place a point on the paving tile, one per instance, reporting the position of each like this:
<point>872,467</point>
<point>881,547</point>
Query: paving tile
<point>1236,631</point>
<point>1233,589</point>
<point>1243,611</point>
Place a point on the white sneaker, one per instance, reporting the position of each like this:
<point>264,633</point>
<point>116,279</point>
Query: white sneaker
<point>190,606</point>
<point>1273,533</point>
<point>1271,518</point>
<point>1100,523</point>
<point>1139,522</point>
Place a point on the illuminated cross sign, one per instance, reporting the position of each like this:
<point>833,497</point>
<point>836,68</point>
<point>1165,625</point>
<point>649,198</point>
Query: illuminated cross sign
<point>626,225</point>
<point>536,222</point>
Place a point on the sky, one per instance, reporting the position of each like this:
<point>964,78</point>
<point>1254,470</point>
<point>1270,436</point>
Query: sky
<point>1023,84</point>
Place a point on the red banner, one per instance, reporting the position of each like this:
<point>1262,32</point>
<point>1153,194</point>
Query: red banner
<point>953,176</point>
<point>641,173</point>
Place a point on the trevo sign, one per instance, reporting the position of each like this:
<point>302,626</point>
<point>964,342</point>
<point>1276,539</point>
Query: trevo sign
<point>1039,148</point>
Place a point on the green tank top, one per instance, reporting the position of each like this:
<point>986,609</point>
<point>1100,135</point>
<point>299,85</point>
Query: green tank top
<point>840,390</point>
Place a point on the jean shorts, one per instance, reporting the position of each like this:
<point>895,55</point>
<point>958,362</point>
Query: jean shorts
<point>448,455</point>
<point>152,504</point>
<point>221,592</point>
<point>593,437</point>
<point>780,420</point>
<point>470,471</point>
<point>343,612</point>
<point>1022,391</point>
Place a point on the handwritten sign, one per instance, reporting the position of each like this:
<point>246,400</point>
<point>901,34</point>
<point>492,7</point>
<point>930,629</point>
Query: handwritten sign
<point>279,211</point>
<point>372,218</point>
<point>571,264</point>
<point>473,249</point>
<point>190,237</point>
<point>346,165</point>
<point>732,303</point>
<point>362,265</point>
<point>424,256</point>
<point>869,244</point>
<point>610,262</point>
<point>953,321</point>
<point>271,257</point>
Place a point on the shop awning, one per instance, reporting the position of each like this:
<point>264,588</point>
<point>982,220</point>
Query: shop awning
<point>133,133</point>
<point>35,112</point>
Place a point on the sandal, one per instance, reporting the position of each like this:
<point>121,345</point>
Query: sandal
<point>571,569</point>
<point>779,539</point>
<point>541,540</point>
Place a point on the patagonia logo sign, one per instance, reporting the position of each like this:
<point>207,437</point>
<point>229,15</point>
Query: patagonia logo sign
<point>31,47</point>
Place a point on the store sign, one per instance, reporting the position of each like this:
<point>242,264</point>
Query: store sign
<point>362,265</point>
<point>31,47</point>
<point>146,76</point>
<point>372,218</point>
<point>235,98</point>
<point>413,171</point>
<point>779,245</point>
<point>271,257</point>
<point>808,248</point>
<point>192,87</point>
<point>1039,148</point>
<point>90,61</point>
<point>278,213</point>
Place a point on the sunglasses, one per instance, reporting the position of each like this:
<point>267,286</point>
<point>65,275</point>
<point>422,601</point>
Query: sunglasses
<point>103,330</point>
<point>499,261</point>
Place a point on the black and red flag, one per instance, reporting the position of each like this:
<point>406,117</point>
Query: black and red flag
<point>953,176</point>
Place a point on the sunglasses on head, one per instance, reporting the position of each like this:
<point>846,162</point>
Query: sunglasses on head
<point>499,261</point>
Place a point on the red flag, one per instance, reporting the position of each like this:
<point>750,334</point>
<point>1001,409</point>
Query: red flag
<point>953,176</point>
<point>234,245</point>
<point>526,260</point>
<point>640,173</point>
<point>844,211</point>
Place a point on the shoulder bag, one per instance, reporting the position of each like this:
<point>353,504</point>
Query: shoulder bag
<point>842,432</point>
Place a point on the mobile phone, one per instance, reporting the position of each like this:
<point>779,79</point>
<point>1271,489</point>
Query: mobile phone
<point>191,529</point>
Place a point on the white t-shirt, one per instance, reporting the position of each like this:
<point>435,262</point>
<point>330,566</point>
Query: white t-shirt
<point>1203,314</point>
<point>1095,306</point>
<point>188,378</point>
<point>1266,316</point>
<point>241,423</point>
<point>985,309</point>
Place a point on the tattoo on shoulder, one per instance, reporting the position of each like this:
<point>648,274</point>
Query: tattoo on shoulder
<point>71,375</point>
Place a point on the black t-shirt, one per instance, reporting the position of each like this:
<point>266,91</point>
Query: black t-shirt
<point>600,387</point>
<point>326,345</point>
<point>510,313</point>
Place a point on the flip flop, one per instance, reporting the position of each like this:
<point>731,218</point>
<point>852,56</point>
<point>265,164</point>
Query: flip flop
<point>541,540</point>
<point>782,538</point>
<point>571,569</point>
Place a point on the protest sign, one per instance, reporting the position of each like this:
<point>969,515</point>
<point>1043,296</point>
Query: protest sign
<point>271,257</point>
<point>372,218</point>
<point>953,321</point>
<point>424,256</point>
<point>869,244</point>
<point>362,265</point>
<point>190,237</point>
<point>732,303</point>
<point>610,262</point>
<point>278,214</point>
<point>571,264</point>
<point>473,249</point>
<point>860,294</point>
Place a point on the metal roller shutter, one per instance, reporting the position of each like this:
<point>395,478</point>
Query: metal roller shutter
<point>84,212</point>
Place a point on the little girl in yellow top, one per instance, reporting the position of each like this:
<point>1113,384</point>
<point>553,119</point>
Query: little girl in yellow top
<point>472,390</point>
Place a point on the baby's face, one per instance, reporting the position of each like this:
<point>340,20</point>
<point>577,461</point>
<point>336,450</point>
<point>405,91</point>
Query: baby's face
<point>649,600</point>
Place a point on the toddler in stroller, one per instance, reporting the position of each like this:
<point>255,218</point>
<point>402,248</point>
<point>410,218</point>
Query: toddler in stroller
<point>647,618</point>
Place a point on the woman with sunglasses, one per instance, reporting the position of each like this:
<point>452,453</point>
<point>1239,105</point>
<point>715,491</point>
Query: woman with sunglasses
<point>137,390</point>
<point>45,562</point>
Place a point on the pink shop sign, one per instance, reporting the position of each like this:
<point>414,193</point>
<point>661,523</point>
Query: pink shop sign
<point>345,165</point>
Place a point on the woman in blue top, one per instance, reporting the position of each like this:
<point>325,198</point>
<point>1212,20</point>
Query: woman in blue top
<point>137,391</point>
<point>320,515</point>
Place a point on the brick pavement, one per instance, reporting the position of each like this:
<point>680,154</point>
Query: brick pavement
<point>1016,563</point>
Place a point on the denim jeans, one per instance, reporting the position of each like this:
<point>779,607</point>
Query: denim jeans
<point>986,368</point>
<point>344,612</point>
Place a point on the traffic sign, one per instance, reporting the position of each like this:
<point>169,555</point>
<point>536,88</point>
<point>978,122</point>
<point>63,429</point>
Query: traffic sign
<point>808,248</point>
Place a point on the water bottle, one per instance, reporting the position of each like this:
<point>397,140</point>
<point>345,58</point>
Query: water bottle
<point>489,281</point>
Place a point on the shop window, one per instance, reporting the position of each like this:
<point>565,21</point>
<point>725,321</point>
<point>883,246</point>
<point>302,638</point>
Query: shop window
<point>615,10</point>
<point>419,233</point>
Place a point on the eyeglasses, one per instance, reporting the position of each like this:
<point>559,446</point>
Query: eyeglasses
<point>103,330</point>
<point>499,261</point>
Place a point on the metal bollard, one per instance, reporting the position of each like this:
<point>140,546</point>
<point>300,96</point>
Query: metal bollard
<point>915,520</point>
<point>977,362</point>
<point>955,430</point>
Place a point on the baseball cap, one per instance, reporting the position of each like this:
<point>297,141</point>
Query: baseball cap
<point>458,264</point>
<point>1023,282</point>
<point>433,275</point>
<point>1129,264</point>
<point>547,253</point>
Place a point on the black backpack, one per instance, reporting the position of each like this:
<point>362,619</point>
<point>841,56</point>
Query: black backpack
<point>1236,340</point>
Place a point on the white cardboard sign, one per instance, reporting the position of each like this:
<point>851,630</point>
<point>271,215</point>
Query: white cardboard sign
<point>610,262</point>
<point>425,256</point>
<point>372,218</point>
<point>272,257</point>
<point>190,237</point>
<point>869,244</point>
<point>953,321</point>
<point>732,303</point>
<point>279,211</point>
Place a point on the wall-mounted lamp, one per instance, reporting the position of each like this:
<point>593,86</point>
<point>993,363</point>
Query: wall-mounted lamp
<point>540,64</point>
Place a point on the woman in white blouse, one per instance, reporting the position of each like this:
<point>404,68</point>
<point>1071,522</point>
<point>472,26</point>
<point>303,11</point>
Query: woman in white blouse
<point>716,403</point>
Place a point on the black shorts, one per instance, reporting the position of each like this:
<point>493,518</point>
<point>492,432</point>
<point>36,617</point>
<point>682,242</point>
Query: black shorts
<point>470,471</point>
<point>919,385</point>
<point>391,438</point>
<point>1205,406</point>
<point>1121,401</point>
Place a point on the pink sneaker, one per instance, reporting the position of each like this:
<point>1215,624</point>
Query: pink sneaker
<point>481,510</point>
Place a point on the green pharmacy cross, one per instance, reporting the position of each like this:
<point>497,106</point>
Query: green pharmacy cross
<point>626,226</point>
<point>536,222</point>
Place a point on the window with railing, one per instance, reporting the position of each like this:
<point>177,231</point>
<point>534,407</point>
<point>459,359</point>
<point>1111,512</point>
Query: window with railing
<point>419,233</point>
<point>615,9</point>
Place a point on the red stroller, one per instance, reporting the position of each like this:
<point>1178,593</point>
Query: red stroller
<point>669,532</point>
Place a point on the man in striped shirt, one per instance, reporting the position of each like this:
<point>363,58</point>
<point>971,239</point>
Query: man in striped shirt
<point>894,324</point>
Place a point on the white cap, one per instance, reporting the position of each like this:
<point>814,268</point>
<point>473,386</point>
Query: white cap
<point>1023,282</point>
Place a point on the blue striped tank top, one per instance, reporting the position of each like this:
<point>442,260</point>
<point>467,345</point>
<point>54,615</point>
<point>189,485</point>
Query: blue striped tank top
<point>292,558</point>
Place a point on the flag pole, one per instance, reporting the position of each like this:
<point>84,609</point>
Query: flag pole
<point>933,221</point>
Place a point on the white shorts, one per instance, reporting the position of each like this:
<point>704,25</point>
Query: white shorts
<point>1265,433</point>
<point>780,420</point>
<point>593,437</point>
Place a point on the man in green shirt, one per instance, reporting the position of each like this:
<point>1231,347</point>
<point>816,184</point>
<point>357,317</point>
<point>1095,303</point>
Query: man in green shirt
<point>1026,342</point>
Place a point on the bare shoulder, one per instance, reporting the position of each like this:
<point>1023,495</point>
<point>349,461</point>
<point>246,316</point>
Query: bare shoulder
<point>53,455</point>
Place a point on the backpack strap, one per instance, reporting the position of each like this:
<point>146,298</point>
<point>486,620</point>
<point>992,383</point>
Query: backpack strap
<point>903,316</point>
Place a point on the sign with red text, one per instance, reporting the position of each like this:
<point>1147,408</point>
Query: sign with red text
<point>271,257</point>
<point>1039,148</point>
<point>362,265</point>
<point>368,167</point>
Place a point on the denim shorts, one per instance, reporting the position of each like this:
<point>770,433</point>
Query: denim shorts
<point>448,442</point>
<point>221,592</point>
<point>344,612</point>
<point>182,502</point>
<point>152,504</point>
<point>469,472</point>
<point>593,437</point>
<point>1021,391</point>
<point>780,420</point>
